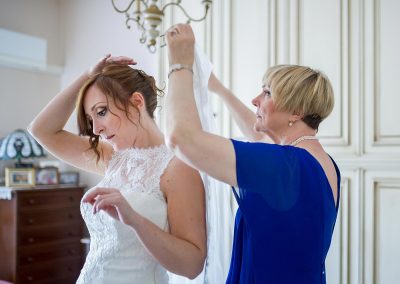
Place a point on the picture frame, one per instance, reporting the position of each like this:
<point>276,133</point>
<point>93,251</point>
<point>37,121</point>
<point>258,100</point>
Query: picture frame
<point>69,178</point>
<point>47,176</point>
<point>20,177</point>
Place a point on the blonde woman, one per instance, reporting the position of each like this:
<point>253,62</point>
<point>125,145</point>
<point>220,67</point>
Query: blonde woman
<point>288,190</point>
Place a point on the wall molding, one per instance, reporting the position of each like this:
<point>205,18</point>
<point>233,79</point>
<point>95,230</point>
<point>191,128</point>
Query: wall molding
<point>376,140</point>
<point>376,182</point>
<point>343,87</point>
<point>345,229</point>
<point>24,65</point>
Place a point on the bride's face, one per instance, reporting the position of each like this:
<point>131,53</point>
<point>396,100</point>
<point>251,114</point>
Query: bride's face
<point>109,122</point>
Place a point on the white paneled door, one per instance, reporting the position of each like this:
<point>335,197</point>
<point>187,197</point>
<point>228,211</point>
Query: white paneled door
<point>357,44</point>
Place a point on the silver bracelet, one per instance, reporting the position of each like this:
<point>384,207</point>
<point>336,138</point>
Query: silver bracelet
<point>177,67</point>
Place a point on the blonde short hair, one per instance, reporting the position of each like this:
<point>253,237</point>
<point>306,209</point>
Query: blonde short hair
<point>301,90</point>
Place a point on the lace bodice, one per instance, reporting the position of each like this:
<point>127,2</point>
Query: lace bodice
<point>116,253</point>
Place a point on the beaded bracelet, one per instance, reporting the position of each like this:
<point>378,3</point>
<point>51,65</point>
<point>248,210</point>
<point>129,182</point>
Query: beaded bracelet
<point>177,67</point>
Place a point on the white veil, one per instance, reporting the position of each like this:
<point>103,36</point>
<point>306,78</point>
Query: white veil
<point>219,212</point>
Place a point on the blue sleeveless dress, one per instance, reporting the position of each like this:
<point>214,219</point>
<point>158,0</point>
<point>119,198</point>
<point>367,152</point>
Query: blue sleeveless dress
<point>286,216</point>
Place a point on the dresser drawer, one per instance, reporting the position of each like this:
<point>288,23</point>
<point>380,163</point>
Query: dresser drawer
<point>51,271</point>
<point>49,234</point>
<point>49,200</point>
<point>31,218</point>
<point>41,254</point>
<point>41,228</point>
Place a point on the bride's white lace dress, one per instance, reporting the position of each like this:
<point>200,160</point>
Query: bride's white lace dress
<point>116,253</point>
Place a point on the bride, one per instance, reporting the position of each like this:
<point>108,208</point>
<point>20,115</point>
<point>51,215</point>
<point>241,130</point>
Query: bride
<point>147,214</point>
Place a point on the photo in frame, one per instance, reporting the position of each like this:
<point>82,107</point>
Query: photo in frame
<point>20,177</point>
<point>47,175</point>
<point>69,178</point>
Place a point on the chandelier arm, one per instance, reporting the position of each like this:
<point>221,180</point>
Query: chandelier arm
<point>128,19</point>
<point>122,11</point>
<point>186,14</point>
<point>145,3</point>
<point>143,38</point>
<point>150,14</point>
<point>163,43</point>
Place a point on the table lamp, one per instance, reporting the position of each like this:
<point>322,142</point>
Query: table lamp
<point>20,145</point>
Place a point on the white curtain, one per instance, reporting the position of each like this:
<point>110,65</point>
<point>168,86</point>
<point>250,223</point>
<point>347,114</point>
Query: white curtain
<point>219,212</point>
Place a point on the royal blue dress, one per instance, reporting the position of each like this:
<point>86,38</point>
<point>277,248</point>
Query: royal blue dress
<point>286,216</point>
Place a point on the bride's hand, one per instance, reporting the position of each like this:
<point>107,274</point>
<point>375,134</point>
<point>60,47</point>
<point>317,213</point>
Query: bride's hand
<point>112,202</point>
<point>108,59</point>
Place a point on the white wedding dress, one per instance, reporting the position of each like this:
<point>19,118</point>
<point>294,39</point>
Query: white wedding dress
<point>116,253</point>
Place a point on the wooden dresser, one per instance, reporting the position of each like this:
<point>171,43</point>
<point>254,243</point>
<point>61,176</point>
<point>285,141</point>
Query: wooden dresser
<point>40,233</point>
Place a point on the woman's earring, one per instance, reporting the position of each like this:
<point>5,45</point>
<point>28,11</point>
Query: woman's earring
<point>290,123</point>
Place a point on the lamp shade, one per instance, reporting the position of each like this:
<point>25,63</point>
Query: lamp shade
<point>20,144</point>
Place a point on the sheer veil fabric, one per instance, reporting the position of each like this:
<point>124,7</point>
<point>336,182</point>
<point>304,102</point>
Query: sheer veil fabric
<point>219,213</point>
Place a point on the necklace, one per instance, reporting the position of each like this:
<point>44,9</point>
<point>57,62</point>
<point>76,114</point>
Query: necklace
<point>302,138</point>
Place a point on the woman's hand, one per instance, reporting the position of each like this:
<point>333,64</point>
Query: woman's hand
<point>108,59</point>
<point>112,202</point>
<point>180,42</point>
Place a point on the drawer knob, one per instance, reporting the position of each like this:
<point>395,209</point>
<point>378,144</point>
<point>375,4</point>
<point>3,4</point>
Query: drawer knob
<point>30,221</point>
<point>29,278</point>
<point>29,259</point>
<point>31,201</point>
<point>70,216</point>
<point>69,268</point>
<point>71,198</point>
<point>31,240</point>
<point>71,251</point>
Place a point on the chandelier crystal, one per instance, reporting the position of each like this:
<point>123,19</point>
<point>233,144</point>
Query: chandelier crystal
<point>148,16</point>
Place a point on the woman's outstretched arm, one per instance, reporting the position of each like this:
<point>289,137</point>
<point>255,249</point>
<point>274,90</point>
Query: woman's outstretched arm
<point>244,117</point>
<point>204,151</point>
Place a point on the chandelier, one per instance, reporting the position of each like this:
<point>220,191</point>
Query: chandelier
<point>148,16</point>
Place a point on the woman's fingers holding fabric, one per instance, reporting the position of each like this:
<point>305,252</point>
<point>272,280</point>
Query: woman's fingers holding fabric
<point>172,31</point>
<point>104,202</point>
<point>180,39</point>
<point>180,33</point>
<point>115,205</point>
<point>92,195</point>
<point>111,201</point>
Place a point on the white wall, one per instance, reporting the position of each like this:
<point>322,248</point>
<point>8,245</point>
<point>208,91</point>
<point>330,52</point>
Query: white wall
<point>23,92</point>
<point>38,18</point>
